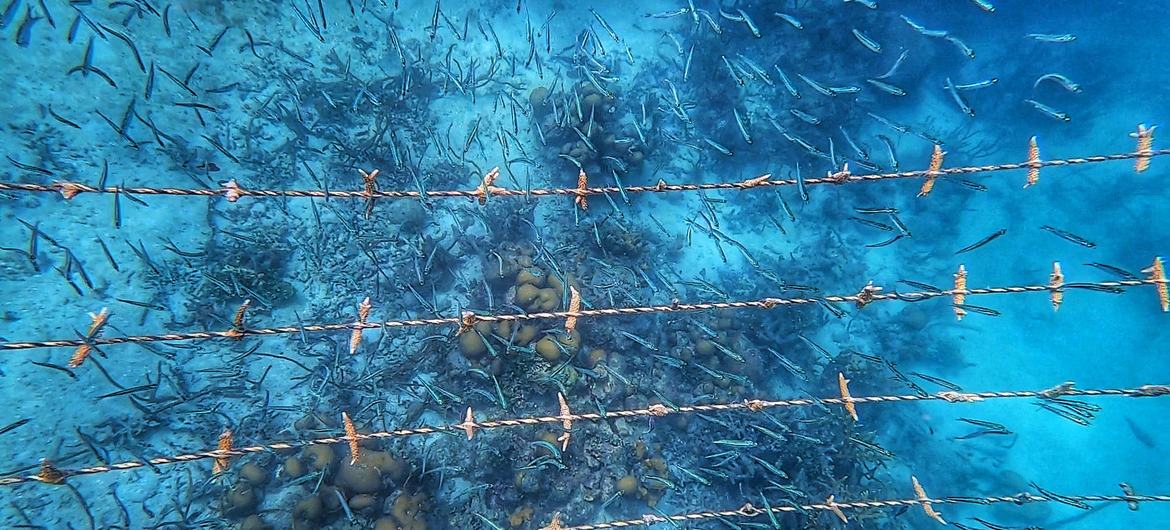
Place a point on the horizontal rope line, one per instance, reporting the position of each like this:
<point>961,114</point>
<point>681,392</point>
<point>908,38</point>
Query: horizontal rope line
<point>764,303</point>
<point>655,410</point>
<point>751,511</point>
<point>76,188</point>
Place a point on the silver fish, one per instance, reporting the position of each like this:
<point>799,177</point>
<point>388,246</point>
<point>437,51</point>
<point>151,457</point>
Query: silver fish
<point>787,82</point>
<point>959,99</point>
<point>1061,80</point>
<point>1046,37</point>
<point>866,41</point>
<point>805,117</point>
<point>886,87</point>
<point>1048,111</point>
<point>824,90</point>
<point>750,24</point>
<point>747,137</point>
<point>791,20</point>
<point>961,45</point>
<point>890,72</point>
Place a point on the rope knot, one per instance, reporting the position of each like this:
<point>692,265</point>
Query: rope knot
<point>747,510</point>
<point>232,190</point>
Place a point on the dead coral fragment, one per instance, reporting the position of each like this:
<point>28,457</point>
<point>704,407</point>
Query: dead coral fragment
<point>1145,142</point>
<point>1033,162</point>
<point>1158,275</point>
<point>352,437</point>
<point>959,294</point>
<point>846,399</point>
<point>925,501</point>
<point>221,464</point>
<point>936,160</point>
<point>1055,282</point>
<point>355,338</point>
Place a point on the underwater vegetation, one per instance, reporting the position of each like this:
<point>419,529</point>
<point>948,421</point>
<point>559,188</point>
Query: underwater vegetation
<point>391,265</point>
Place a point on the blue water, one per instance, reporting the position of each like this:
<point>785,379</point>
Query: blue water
<point>302,95</point>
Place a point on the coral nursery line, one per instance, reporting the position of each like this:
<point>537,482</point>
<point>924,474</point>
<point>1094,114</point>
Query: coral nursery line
<point>1056,288</point>
<point>838,508</point>
<point>49,474</point>
<point>232,191</point>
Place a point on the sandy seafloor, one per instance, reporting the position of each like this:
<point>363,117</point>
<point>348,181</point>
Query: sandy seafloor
<point>1097,340</point>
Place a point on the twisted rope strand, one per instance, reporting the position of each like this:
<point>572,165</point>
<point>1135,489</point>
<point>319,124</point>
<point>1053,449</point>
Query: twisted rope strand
<point>748,510</point>
<point>763,303</point>
<point>840,178</point>
<point>654,410</point>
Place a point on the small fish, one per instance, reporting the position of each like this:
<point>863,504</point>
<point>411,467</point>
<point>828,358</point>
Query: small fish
<point>1047,37</point>
<point>961,45</point>
<point>750,24</point>
<point>747,137</point>
<point>922,29</point>
<point>959,99</point>
<point>787,82</point>
<point>886,87</point>
<point>1048,111</point>
<point>890,151</point>
<point>791,20</point>
<point>9,14</point>
<point>738,80</point>
<point>646,344</point>
<point>1061,80</point>
<point>987,311</point>
<point>805,117</point>
<point>24,32</point>
<point>871,4</point>
<point>824,90</point>
<point>977,85</point>
<point>983,241</point>
<point>1121,273</point>
<point>769,466</point>
<point>1069,236</point>
<point>866,41</point>
<point>984,5</point>
<point>736,443</point>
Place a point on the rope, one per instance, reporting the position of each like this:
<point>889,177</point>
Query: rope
<point>467,319</point>
<point>234,191</point>
<point>748,510</point>
<point>56,476</point>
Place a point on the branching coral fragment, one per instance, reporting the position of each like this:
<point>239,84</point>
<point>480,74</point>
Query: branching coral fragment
<point>352,437</point>
<point>487,186</point>
<point>355,338</point>
<point>755,181</point>
<point>97,323</point>
<point>932,173</point>
<point>1055,282</point>
<point>1145,143</point>
<point>925,501</point>
<point>566,421</point>
<point>468,424</point>
<point>846,399</point>
<point>582,183</point>
<point>574,307</point>
<point>237,331</point>
<point>221,464</point>
<point>1158,274</point>
<point>959,294</point>
<point>68,190</point>
<point>370,186</point>
<point>836,509</point>
<point>1033,162</point>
